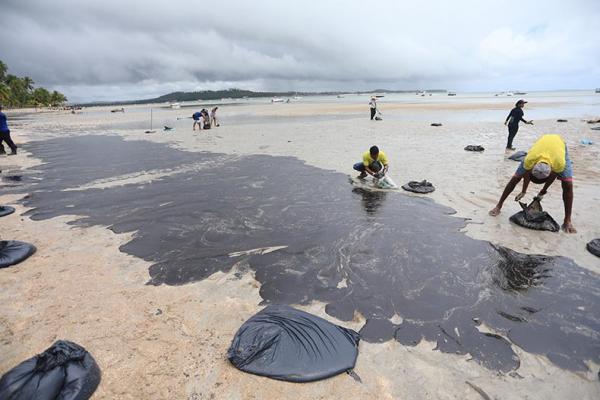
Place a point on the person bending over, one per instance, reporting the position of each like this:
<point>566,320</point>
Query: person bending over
<point>546,160</point>
<point>196,116</point>
<point>374,163</point>
<point>205,119</point>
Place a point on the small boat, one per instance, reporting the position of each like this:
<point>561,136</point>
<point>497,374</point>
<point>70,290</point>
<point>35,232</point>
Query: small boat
<point>297,97</point>
<point>520,93</point>
<point>339,96</point>
<point>598,90</point>
<point>379,96</point>
<point>451,94</point>
<point>276,100</point>
<point>118,110</point>
<point>175,106</point>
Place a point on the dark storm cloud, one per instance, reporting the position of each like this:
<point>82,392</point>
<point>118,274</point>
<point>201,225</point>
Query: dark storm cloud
<point>118,48</point>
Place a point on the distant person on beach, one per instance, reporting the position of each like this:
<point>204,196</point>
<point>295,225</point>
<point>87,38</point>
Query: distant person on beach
<point>204,119</point>
<point>196,116</point>
<point>5,135</point>
<point>512,120</point>
<point>374,163</point>
<point>546,160</point>
<point>213,116</point>
<point>373,107</point>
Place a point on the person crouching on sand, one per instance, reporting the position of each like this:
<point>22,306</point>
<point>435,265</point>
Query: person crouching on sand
<point>546,160</point>
<point>512,120</point>
<point>374,163</point>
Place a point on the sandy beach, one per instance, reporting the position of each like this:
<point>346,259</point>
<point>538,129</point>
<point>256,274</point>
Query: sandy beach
<point>170,341</point>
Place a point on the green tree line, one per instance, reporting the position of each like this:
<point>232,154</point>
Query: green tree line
<point>20,92</point>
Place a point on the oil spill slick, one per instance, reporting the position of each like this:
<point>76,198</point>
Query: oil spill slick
<point>379,254</point>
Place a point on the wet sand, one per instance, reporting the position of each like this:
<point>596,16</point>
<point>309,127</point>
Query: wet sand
<point>170,341</point>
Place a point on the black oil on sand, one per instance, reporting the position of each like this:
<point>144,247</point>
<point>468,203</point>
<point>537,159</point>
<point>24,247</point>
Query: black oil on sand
<point>388,256</point>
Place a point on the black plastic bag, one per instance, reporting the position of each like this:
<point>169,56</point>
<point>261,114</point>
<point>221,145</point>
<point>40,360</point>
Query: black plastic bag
<point>534,217</point>
<point>6,210</point>
<point>594,247</point>
<point>65,371</point>
<point>13,252</point>
<point>518,156</point>
<point>283,343</point>
<point>419,187</point>
<point>473,147</point>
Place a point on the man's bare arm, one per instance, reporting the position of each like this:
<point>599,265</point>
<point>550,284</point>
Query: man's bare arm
<point>510,186</point>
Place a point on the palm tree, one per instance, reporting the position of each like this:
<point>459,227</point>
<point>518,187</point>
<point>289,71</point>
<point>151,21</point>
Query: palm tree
<point>18,91</point>
<point>41,97</point>
<point>28,82</point>
<point>57,98</point>
<point>4,93</point>
<point>3,69</point>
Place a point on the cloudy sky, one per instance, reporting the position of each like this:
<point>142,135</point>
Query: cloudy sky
<point>129,49</point>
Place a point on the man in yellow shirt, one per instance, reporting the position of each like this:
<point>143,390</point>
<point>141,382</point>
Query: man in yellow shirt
<point>546,160</point>
<point>374,163</point>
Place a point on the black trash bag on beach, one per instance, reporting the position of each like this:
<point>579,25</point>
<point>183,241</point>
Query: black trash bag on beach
<point>283,343</point>
<point>419,187</point>
<point>473,147</point>
<point>534,217</point>
<point>65,371</point>
<point>376,166</point>
<point>594,247</point>
<point>518,156</point>
<point>13,252</point>
<point>6,210</point>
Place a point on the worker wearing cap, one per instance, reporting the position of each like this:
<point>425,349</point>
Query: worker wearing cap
<point>546,160</point>
<point>512,120</point>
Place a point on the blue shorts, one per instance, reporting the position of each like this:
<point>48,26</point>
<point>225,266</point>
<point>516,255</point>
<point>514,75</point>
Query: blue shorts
<point>359,167</point>
<point>566,175</point>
